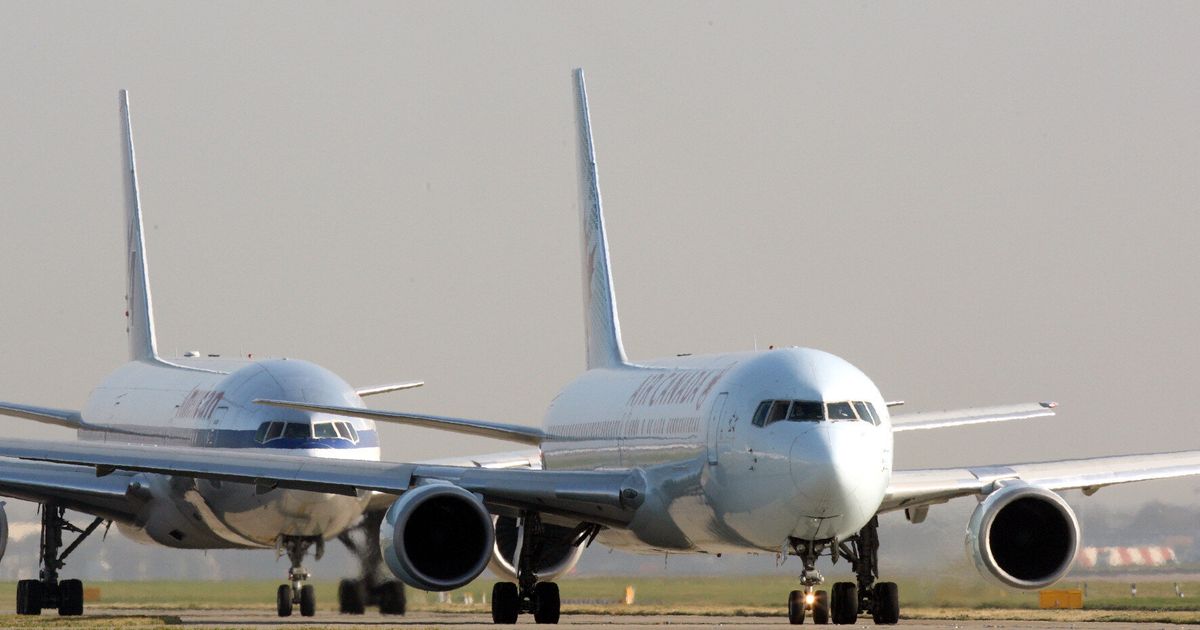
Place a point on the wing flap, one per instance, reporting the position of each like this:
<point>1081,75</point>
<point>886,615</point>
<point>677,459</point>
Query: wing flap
<point>914,488</point>
<point>497,430</point>
<point>978,415</point>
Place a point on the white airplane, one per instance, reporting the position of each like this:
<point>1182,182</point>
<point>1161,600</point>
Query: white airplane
<point>783,451</point>
<point>199,402</point>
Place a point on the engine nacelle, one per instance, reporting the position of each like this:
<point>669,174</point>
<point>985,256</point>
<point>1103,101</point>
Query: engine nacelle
<point>555,557</point>
<point>3,530</point>
<point>437,537</point>
<point>1022,536</point>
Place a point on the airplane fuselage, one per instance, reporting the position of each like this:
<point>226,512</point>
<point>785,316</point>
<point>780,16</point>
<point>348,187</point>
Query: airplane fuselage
<point>722,475</point>
<point>209,403</point>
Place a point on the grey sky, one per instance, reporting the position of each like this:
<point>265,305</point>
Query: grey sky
<point>974,203</point>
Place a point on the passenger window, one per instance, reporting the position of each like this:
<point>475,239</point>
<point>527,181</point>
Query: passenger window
<point>324,430</point>
<point>261,434</point>
<point>760,414</point>
<point>840,411</point>
<point>866,413</point>
<point>779,410</point>
<point>297,430</point>
<point>274,431</point>
<point>807,411</point>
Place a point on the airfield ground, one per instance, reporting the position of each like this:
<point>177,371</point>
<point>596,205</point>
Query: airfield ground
<point>701,602</point>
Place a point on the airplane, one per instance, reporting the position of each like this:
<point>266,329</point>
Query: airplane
<point>783,451</point>
<point>202,402</point>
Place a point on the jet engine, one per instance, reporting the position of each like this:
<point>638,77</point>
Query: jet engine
<point>1022,536</point>
<point>555,556</point>
<point>437,537</point>
<point>3,530</point>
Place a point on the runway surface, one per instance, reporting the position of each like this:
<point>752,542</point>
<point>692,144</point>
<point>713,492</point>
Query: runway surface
<point>267,618</point>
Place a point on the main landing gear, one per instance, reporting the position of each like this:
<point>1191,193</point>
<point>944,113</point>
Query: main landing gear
<point>297,593</point>
<point>47,591</point>
<point>528,595</point>
<point>849,599</point>
<point>370,588</point>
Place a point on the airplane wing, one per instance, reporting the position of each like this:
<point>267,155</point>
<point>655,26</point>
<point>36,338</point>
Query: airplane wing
<point>602,497</point>
<point>390,387</point>
<point>484,428</point>
<point>911,489</point>
<point>113,497</point>
<point>61,417</point>
<point>978,415</point>
<point>530,459</point>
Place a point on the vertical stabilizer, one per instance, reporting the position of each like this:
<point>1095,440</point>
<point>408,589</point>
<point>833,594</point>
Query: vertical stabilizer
<point>604,347</point>
<point>139,311</point>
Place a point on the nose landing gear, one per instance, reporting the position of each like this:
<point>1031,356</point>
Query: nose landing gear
<point>849,599</point>
<point>297,592</point>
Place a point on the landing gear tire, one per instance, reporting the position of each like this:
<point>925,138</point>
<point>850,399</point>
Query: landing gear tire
<point>820,609</point>
<point>844,607</point>
<point>796,607</point>
<point>506,603</point>
<point>70,598</point>
<point>29,597</point>
<point>391,598</point>
<point>308,600</point>
<point>283,600</point>
<point>352,597</point>
<point>887,603</point>
<point>547,602</point>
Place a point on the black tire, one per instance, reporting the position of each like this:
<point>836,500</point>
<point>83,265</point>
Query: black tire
<point>506,603</point>
<point>843,608</point>
<point>547,604</point>
<point>29,597</point>
<point>820,612</point>
<point>283,600</point>
<point>796,608</point>
<point>887,604</point>
<point>392,600</point>
<point>352,597</point>
<point>308,600</point>
<point>70,598</point>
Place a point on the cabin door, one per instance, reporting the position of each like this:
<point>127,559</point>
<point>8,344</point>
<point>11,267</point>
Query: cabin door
<point>716,425</point>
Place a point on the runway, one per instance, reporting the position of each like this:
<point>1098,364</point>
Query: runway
<point>243,618</point>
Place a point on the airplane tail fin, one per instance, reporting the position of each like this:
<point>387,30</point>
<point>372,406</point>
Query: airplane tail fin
<point>139,310</point>
<point>604,348</point>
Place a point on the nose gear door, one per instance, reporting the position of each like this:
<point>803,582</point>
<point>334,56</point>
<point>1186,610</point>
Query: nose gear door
<point>716,425</point>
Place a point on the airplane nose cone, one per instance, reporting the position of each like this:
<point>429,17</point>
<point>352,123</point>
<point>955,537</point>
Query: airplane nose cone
<point>828,468</point>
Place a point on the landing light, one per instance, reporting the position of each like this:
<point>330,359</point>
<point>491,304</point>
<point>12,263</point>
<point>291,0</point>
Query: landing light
<point>810,599</point>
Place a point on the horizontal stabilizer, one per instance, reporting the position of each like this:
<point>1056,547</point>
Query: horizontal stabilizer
<point>390,387</point>
<point>496,430</point>
<point>61,417</point>
<point>978,415</point>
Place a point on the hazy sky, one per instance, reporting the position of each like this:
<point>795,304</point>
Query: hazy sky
<point>974,203</point>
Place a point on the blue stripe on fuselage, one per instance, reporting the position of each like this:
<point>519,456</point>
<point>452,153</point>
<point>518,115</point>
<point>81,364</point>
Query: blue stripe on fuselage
<point>221,438</point>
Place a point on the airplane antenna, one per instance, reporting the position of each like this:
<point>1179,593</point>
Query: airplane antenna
<point>604,347</point>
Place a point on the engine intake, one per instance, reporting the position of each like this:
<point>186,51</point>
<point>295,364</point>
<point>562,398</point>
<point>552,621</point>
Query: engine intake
<point>555,555</point>
<point>1022,536</point>
<point>437,537</point>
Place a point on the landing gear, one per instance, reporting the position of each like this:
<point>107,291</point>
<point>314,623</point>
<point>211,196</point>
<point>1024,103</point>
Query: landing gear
<point>370,588</point>
<point>528,595</point>
<point>297,592</point>
<point>34,596</point>
<point>880,599</point>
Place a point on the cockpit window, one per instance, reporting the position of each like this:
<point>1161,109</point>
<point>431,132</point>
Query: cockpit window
<point>324,430</point>
<point>778,411</point>
<point>261,435</point>
<point>840,411</point>
<point>807,411</point>
<point>351,431</point>
<point>760,414</point>
<point>297,430</point>
<point>274,431</point>
<point>866,411</point>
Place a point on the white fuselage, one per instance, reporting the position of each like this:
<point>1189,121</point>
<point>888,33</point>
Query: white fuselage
<point>716,480</point>
<point>209,403</point>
